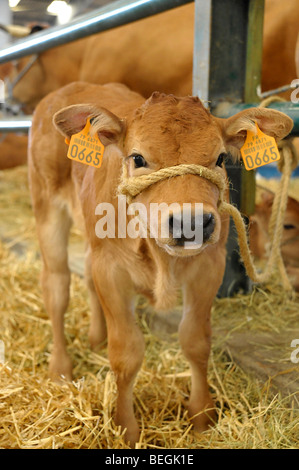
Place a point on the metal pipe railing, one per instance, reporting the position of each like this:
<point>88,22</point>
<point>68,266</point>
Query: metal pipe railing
<point>109,16</point>
<point>15,124</point>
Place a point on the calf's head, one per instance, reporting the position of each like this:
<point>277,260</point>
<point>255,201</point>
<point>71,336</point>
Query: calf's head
<point>168,132</point>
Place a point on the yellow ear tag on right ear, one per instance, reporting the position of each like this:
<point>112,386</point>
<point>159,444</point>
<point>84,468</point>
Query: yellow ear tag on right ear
<point>85,148</point>
<point>259,149</point>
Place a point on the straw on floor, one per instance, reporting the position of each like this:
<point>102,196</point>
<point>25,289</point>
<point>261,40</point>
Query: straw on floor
<point>35,413</point>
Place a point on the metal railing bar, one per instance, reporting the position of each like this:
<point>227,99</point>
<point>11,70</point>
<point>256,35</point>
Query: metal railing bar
<point>15,123</point>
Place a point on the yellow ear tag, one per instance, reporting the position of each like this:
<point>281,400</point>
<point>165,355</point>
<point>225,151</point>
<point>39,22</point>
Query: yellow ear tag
<point>259,149</point>
<point>86,149</point>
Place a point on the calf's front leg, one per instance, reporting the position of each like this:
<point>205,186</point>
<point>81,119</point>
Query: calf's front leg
<point>97,330</point>
<point>195,340</point>
<point>125,340</point>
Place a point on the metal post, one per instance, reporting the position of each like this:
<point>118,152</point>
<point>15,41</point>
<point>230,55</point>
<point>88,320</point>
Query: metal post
<point>201,51</point>
<point>234,71</point>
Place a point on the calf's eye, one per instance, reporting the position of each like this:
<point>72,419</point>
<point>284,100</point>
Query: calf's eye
<point>220,159</point>
<point>288,226</point>
<point>139,161</point>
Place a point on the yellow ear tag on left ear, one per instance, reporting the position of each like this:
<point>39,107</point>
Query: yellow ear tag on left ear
<point>259,149</point>
<point>85,148</point>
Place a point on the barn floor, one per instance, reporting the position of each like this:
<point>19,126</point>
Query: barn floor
<point>252,378</point>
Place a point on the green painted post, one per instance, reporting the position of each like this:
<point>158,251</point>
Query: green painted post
<point>236,32</point>
<point>254,52</point>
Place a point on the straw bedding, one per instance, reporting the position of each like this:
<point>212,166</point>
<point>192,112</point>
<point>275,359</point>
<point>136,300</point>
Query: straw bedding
<point>35,413</point>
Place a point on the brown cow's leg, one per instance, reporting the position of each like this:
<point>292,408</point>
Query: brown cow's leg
<point>194,334</point>
<point>195,339</point>
<point>126,350</point>
<point>53,225</point>
<point>98,329</point>
<point>125,342</point>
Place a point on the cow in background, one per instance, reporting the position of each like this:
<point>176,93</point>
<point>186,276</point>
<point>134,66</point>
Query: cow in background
<point>13,150</point>
<point>155,53</point>
<point>281,28</point>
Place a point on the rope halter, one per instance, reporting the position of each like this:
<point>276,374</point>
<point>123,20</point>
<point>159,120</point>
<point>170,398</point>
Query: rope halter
<point>134,185</point>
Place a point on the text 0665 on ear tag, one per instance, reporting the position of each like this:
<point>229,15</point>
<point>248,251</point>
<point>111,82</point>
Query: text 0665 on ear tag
<point>85,148</point>
<point>259,149</point>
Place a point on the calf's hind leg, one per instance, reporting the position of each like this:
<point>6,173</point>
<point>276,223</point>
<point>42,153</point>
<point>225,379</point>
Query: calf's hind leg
<point>53,226</point>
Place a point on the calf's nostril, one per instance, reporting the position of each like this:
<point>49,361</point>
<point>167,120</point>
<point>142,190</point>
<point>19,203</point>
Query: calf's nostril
<point>180,233</point>
<point>207,218</point>
<point>208,226</point>
<point>175,224</point>
<point>170,222</point>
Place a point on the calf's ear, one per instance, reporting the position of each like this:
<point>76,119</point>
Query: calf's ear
<point>72,120</point>
<point>271,122</point>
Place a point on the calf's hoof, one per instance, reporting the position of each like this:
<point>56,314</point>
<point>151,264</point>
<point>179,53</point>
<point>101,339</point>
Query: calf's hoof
<point>203,420</point>
<point>132,437</point>
<point>60,368</point>
<point>132,432</point>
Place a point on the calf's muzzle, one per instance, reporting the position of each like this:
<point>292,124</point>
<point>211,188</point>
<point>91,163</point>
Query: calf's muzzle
<point>186,233</point>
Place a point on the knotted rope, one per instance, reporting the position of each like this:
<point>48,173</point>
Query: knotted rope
<point>132,186</point>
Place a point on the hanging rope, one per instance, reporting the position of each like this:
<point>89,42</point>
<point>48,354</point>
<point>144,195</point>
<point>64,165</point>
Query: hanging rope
<point>132,186</point>
<point>289,160</point>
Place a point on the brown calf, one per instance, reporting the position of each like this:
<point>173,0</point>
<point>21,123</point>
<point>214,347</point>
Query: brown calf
<point>259,234</point>
<point>145,136</point>
<point>13,150</point>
